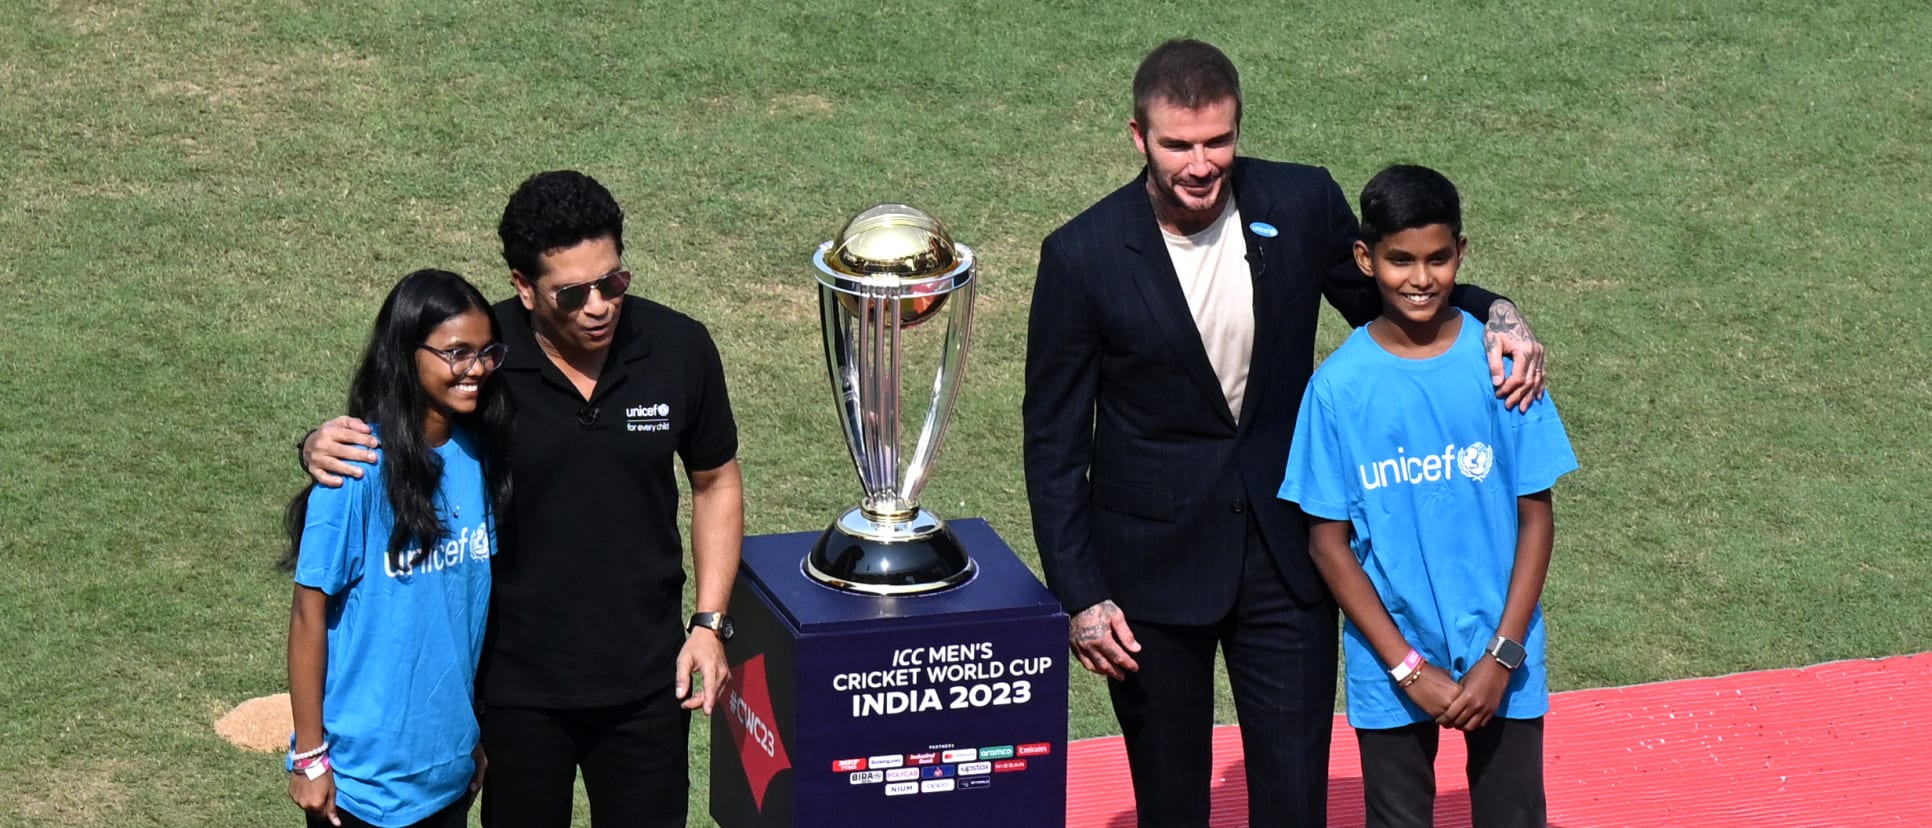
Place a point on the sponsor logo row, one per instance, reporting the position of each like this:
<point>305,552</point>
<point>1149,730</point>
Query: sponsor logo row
<point>936,786</point>
<point>949,757</point>
<point>967,769</point>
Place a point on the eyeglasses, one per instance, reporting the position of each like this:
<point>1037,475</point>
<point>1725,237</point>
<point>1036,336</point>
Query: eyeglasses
<point>463,360</point>
<point>611,285</point>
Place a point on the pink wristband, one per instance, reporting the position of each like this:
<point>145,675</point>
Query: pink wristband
<point>1407,668</point>
<point>314,768</point>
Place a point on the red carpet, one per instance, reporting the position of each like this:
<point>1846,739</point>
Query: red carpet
<point>1841,744</point>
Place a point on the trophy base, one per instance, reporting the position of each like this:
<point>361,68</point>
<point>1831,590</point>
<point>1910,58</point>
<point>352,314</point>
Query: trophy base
<point>857,554</point>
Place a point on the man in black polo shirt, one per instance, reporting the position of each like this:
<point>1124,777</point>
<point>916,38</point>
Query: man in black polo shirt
<point>587,663</point>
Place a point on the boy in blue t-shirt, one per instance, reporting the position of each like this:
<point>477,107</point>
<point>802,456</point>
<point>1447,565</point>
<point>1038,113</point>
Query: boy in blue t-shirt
<point>1429,511</point>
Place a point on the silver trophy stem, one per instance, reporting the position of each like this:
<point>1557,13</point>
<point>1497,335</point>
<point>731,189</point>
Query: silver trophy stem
<point>945,390</point>
<point>846,379</point>
<point>881,310</point>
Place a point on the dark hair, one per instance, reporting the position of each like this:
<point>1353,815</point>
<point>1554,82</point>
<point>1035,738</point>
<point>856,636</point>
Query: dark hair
<point>552,211</point>
<point>1404,197</point>
<point>1188,74</point>
<point>388,391</point>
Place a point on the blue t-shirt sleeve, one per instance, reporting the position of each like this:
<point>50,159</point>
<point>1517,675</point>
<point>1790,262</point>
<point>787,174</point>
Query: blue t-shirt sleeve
<point>1315,478</point>
<point>334,534</point>
<point>1542,449</point>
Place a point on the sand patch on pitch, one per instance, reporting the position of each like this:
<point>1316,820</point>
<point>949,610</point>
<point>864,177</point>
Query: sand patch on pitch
<point>260,724</point>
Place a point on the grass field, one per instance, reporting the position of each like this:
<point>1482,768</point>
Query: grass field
<point>1716,215</point>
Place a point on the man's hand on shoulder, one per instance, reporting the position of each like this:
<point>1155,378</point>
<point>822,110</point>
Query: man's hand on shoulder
<point>1508,334</point>
<point>1101,639</point>
<point>329,451</point>
<point>704,655</point>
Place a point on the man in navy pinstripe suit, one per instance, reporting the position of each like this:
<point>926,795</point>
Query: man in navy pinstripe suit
<point>1172,333</point>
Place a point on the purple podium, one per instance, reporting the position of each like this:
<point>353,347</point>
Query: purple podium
<point>941,709</point>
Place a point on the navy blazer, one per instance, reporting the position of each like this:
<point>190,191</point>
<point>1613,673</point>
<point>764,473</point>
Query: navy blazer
<point>1141,483</point>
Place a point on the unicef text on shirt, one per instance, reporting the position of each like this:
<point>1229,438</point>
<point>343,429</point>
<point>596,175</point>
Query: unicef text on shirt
<point>469,545</point>
<point>1473,461</point>
<point>648,417</point>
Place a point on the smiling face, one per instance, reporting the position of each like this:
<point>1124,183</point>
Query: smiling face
<point>584,331</point>
<point>1189,153</point>
<point>1414,269</point>
<point>451,395</point>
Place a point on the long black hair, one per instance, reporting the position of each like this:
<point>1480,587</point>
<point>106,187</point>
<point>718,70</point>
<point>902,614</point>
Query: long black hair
<point>388,391</point>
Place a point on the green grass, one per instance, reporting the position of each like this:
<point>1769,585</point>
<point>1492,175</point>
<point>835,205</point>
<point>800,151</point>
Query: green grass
<point>1715,217</point>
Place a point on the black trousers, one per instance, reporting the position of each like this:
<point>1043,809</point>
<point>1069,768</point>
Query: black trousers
<point>456,815</point>
<point>1505,775</point>
<point>633,758</point>
<point>1281,655</point>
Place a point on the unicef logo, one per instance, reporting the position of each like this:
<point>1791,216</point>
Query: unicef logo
<point>1475,461</point>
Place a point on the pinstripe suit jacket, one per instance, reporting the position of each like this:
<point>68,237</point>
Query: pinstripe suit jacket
<point>1139,478</point>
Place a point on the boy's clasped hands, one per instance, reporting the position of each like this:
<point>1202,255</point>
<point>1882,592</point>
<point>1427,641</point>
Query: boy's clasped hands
<point>1465,705</point>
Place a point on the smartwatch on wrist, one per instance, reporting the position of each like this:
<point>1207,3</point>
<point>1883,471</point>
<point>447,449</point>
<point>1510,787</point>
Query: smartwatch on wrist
<point>1507,653</point>
<point>716,622</point>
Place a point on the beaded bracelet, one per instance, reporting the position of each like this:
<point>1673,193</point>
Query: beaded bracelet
<point>308,754</point>
<point>1413,678</point>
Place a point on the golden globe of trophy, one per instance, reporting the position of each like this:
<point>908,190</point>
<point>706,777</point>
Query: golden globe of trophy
<point>892,268</point>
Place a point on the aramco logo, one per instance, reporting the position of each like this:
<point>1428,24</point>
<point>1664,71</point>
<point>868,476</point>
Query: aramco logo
<point>748,713</point>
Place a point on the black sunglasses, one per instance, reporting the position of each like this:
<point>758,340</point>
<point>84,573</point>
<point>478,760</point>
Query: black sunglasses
<point>611,285</point>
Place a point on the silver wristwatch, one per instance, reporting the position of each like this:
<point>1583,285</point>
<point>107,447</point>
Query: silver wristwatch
<point>1507,653</point>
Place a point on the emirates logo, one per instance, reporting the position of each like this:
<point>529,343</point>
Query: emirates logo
<point>749,715</point>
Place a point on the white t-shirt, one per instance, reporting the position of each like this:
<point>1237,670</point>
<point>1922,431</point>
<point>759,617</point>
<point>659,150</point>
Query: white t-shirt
<point>1213,267</point>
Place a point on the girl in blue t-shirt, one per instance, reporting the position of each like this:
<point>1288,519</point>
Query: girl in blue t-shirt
<point>392,573</point>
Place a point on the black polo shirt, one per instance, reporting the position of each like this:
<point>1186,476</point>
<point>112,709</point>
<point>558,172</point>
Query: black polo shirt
<point>587,607</point>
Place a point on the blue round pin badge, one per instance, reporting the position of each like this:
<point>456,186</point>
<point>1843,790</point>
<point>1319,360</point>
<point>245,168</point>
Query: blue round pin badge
<point>1264,229</point>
